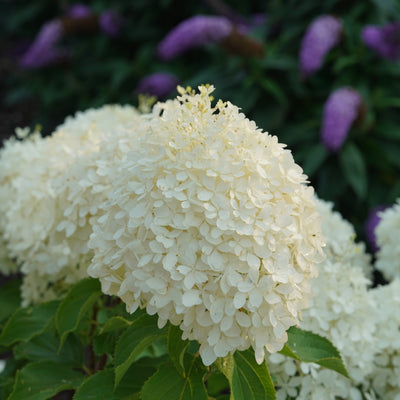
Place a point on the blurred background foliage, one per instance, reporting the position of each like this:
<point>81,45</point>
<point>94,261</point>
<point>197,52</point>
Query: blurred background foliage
<point>269,89</point>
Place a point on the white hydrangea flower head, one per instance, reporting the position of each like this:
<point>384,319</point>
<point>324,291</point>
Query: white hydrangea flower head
<point>387,235</point>
<point>385,377</point>
<point>343,311</point>
<point>340,239</point>
<point>53,195</point>
<point>211,226</point>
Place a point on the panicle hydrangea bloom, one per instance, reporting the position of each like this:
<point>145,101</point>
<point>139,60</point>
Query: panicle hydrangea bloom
<point>43,50</point>
<point>384,40</point>
<point>210,226</point>
<point>342,311</point>
<point>193,32</point>
<point>340,111</point>
<point>321,36</point>
<point>370,225</point>
<point>387,236</point>
<point>110,22</point>
<point>159,84</point>
<point>340,239</point>
<point>52,190</point>
<point>384,378</point>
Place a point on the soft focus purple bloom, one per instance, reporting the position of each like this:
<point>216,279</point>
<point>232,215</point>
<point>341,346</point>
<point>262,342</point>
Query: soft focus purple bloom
<point>194,32</point>
<point>110,22</point>
<point>340,111</point>
<point>321,36</point>
<point>384,40</point>
<point>372,222</point>
<point>159,84</point>
<point>79,10</point>
<point>43,50</point>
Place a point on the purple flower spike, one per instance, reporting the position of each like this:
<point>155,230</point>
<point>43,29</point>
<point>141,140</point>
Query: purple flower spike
<point>340,111</point>
<point>194,32</point>
<point>79,11</point>
<point>110,22</point>
<point>159,84</point>
<point>372,222</point>
<point>43,50</point>
<point>321,36</point>
<point>384,40</point>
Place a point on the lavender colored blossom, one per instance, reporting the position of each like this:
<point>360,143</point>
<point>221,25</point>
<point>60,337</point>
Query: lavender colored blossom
<point>79,10</point>
<point>321,36</point>
<point>384,40</point>
<point>159,84</point>
<point>372,222</point>
<point>193,32</point>
<point>340,111</point>
<point>110,22</point>
<point>43,50</point>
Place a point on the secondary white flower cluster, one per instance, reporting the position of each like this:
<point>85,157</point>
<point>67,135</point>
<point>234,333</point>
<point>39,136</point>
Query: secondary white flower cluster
<point>210,225</point>
<point>341,311</point>
<point>50,191</point>
<point>385,377</point>
<point>363,323</point>
<point>387,234</point>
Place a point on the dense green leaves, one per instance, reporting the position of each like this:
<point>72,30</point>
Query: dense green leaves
<point>310,347</point>
<point>176,347</point>
<point>10,298</point>
<point>100,386</point>
<point>248,380</point>
<point>354,169</point>
<point>78,301</point>
<point>167,383</point>
<point>43,379</point>
<point>27,322</point>
<point>140,335</point>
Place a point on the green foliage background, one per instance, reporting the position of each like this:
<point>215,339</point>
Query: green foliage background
<point>269,90</point>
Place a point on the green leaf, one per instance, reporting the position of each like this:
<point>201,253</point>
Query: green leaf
<point>217,383</point>
<point>354,169</point>
<point>10,298</point>
<point>247,379</point>
<point>77,302</point>
<point>177,347</point>
<point>168,384</point>
<point>46,346</point>
<point>114,324</point>
<point>316,155</point>
<point>101,385</point>
<point>141,334</point>
<point>28,322</point>
<point>275,90</point>
<point>44,379</point>
<point>310,347</point>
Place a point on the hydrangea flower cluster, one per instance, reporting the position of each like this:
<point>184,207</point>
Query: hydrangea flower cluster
<point>193,32</point>
<point>210,225</point>
<point>384,40</point>
<point>321,36</point>
<point>385,376</point>
<point>387,234</point>
<point>50,191</point>
<point>341,109</point>
<point>343,310</point>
